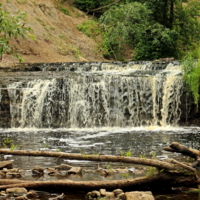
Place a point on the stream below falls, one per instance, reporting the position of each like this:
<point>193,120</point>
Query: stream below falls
<point>140,141</point>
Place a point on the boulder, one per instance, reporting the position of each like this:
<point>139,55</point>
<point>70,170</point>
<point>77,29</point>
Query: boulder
<point>139,195</point>
<point>122,196</point>
<point>17,191</point>
<point>38,171</point>
<point>75,170</point>
<point>32,194</point>
<point>63,167</point>
<point>6,164</point>
<point>102,192</point>
<point>110,194</point>
<point>117,192</point>
<point>21,198</point>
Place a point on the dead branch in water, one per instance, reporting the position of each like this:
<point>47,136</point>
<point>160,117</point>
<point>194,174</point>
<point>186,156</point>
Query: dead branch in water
<point>160,180</point>
<point>179,148</point>
<point>102,158</point>
<point>171,172</point>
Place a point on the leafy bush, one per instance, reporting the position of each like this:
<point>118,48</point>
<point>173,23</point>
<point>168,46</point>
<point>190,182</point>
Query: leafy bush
<point>86,5</point>
<point>89,28</point>
<point>11,26</point>
<point>124,24</point>
<point>191,68</point>
<point>156,42</point>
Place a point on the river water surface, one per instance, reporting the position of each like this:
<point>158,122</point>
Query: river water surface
<point>112,141</point>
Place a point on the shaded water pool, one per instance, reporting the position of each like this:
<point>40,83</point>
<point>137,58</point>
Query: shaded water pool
<point>111,141</point>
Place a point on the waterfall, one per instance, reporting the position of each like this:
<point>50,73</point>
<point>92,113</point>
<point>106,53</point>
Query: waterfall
<point>69,95</point>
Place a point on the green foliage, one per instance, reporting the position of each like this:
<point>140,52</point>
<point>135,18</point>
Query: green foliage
<point>191,69</point>
<point>124,25</point>
<point>125,175</point>
<point>143,157</point>
<point>151,171</point>
<point>128,153</point>
<point>89,28</point>
<point>13,147</point>
<point>157,42</point>
<point>108,166</point>
<point>86,5</point>
<point>64,10</point>
<point>7,141</point>
<point>11,26</point>
<point>187,24</point>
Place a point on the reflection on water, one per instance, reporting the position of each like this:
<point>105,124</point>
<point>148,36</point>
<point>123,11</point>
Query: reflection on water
<point>139,141</point>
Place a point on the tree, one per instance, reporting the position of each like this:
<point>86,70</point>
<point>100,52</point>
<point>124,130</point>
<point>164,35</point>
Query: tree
<point>124,24</point>
<point>11,26</point>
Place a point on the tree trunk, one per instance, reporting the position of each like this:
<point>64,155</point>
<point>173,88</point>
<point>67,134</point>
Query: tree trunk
<point>163,180</point>
<point>179,148</point>
<point>103,158</point>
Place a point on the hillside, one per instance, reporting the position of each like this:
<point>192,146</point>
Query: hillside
<point>56,38</point>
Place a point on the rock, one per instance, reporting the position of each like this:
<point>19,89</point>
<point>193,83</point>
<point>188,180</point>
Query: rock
<point>117,192</point>
<point>32,194</point>
<point>122,196</point>
<point>110,194</point>
<point>58,197</point>
<point>15,170</point>
<point>51,172</point>
<point>63,167</point>
<point>17,191</point>
<point>139,195</point>
<point>95,194</point>
<point>21,198</point>
<point>102,192</point>
<point>13,175</point>
<point>3,193</point>
<point>75,170</point>
<point>6,164</point>
<point>2,175</point>
<point>38,171</point>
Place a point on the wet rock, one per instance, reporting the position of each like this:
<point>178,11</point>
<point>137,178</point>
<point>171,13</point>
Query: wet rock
<point>32,194</point>
<point>21,198</point>
<point>63,167</point>
<point>139,196</point>
<point>51,171</point>
<point>2,175</point>
<point>15,170</point>
<point>38,171</point>
<point>75,170</point>
<point>110,194</point>
<point>117,192</point>
<point>17,191</point>
<point>95,194</point>
<point>58,197</point>
<point>13,175</point>
<point>102,192</point>
<point>6,164</point>
<point>122,196</point>
<point>3,193</point>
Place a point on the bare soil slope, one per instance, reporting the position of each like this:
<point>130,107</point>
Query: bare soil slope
<point>56,37</point>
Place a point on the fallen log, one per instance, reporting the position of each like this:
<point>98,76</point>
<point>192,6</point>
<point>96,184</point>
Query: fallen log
<point>162,180</point>
<point>102,158</point>
<point>179,148</point>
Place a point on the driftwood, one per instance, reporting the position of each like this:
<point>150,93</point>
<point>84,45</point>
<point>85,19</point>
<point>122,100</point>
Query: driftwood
<point>176,147</point>
<point>102,158</point>
<point>158,181</point>
<point>171,173</point>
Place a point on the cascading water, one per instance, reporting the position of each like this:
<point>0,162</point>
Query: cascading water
<point>88,95</point>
